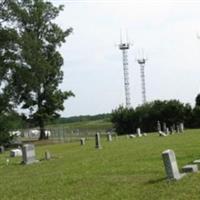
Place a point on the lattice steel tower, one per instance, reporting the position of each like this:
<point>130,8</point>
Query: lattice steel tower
<point>125,47</point>
<point>142,62</point>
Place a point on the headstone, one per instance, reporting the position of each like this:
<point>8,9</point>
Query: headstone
<point>171,167</point>
<point>28,151</point>
<point>158,126</point>
<point>139,132</point>
<point>181,127</point>
<point>196,161</point>
<point>164,128</point>
<point>82,141</point>
<point>47,155</point>
<point>167,131</point>
<point>177,128</point>
<point>162,134</point>
<point>15,152</point>
<point>144,134</point>
<point>2,149</point>
<point>171,130</point>
<point>7,161</point>
<point>109,137</point>
<point>97,141</point>
<point>190,168</point>
<point>131,136</point>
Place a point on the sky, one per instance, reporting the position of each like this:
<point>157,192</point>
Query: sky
<point>166,31</point>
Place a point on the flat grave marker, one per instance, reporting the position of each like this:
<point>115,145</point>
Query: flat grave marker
<point>15,152</point>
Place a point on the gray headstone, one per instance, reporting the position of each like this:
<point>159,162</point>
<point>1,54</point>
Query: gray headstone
<point>47,155</point>
<point>171,167</point>
<point>28,151</point>
<point>190,168</point>
<point>158,126</point>
<point>97,141</point>
<point>171,130</point>
<point>82,141</point>
<point>177,129</point>
<point>164,127</point>
<point>167,131</point>
<point>2,149</point>
<point>109,137</point>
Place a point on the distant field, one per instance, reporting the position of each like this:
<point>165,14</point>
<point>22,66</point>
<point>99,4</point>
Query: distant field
<point>94,124</point>
<point>125,169</point>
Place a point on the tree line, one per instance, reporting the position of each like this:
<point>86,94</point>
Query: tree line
<point>81,118</point>
<point>30,62</point>
<point>171,112</point>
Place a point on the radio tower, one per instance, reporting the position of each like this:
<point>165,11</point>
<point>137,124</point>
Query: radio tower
<point>141,62</point>
<point>124,46</point>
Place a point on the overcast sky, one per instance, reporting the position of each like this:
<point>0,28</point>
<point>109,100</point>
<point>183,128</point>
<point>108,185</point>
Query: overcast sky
<point>93,69</point>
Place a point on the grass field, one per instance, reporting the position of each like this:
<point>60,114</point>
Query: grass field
<point>123,169</point>
<point>91,125</point>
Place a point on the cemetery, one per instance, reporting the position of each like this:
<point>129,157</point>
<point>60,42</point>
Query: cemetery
<point>105,167</point>
<point>139,148</point>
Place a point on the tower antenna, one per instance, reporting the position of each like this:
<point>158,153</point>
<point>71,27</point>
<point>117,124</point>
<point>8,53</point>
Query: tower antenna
<point>141,61</point>
<point>124,46</point>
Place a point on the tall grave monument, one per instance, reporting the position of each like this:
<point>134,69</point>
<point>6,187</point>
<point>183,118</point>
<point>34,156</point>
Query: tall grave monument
<point>28,154</point>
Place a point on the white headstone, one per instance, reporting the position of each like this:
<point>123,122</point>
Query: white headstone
<point>28,151</point>
<point>131,136</point>
<point>82,141</point>
<point>181,127</point>
<point>171,166</point>
<point>162,134</point>
<point>139,132</point>
<point>158,126</point>
<point>196,161</point>
<point>15,152</point>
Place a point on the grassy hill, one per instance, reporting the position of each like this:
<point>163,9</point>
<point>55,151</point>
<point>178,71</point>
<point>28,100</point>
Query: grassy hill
<point>125,169</point>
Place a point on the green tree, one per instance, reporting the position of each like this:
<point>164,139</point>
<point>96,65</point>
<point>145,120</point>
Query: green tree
<point>197,100</point>
<point>146,116</point>
<point>35,79</point>
<point>8,38</point>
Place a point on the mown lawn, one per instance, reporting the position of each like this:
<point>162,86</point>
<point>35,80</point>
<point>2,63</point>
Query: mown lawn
<point>123,169</point>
